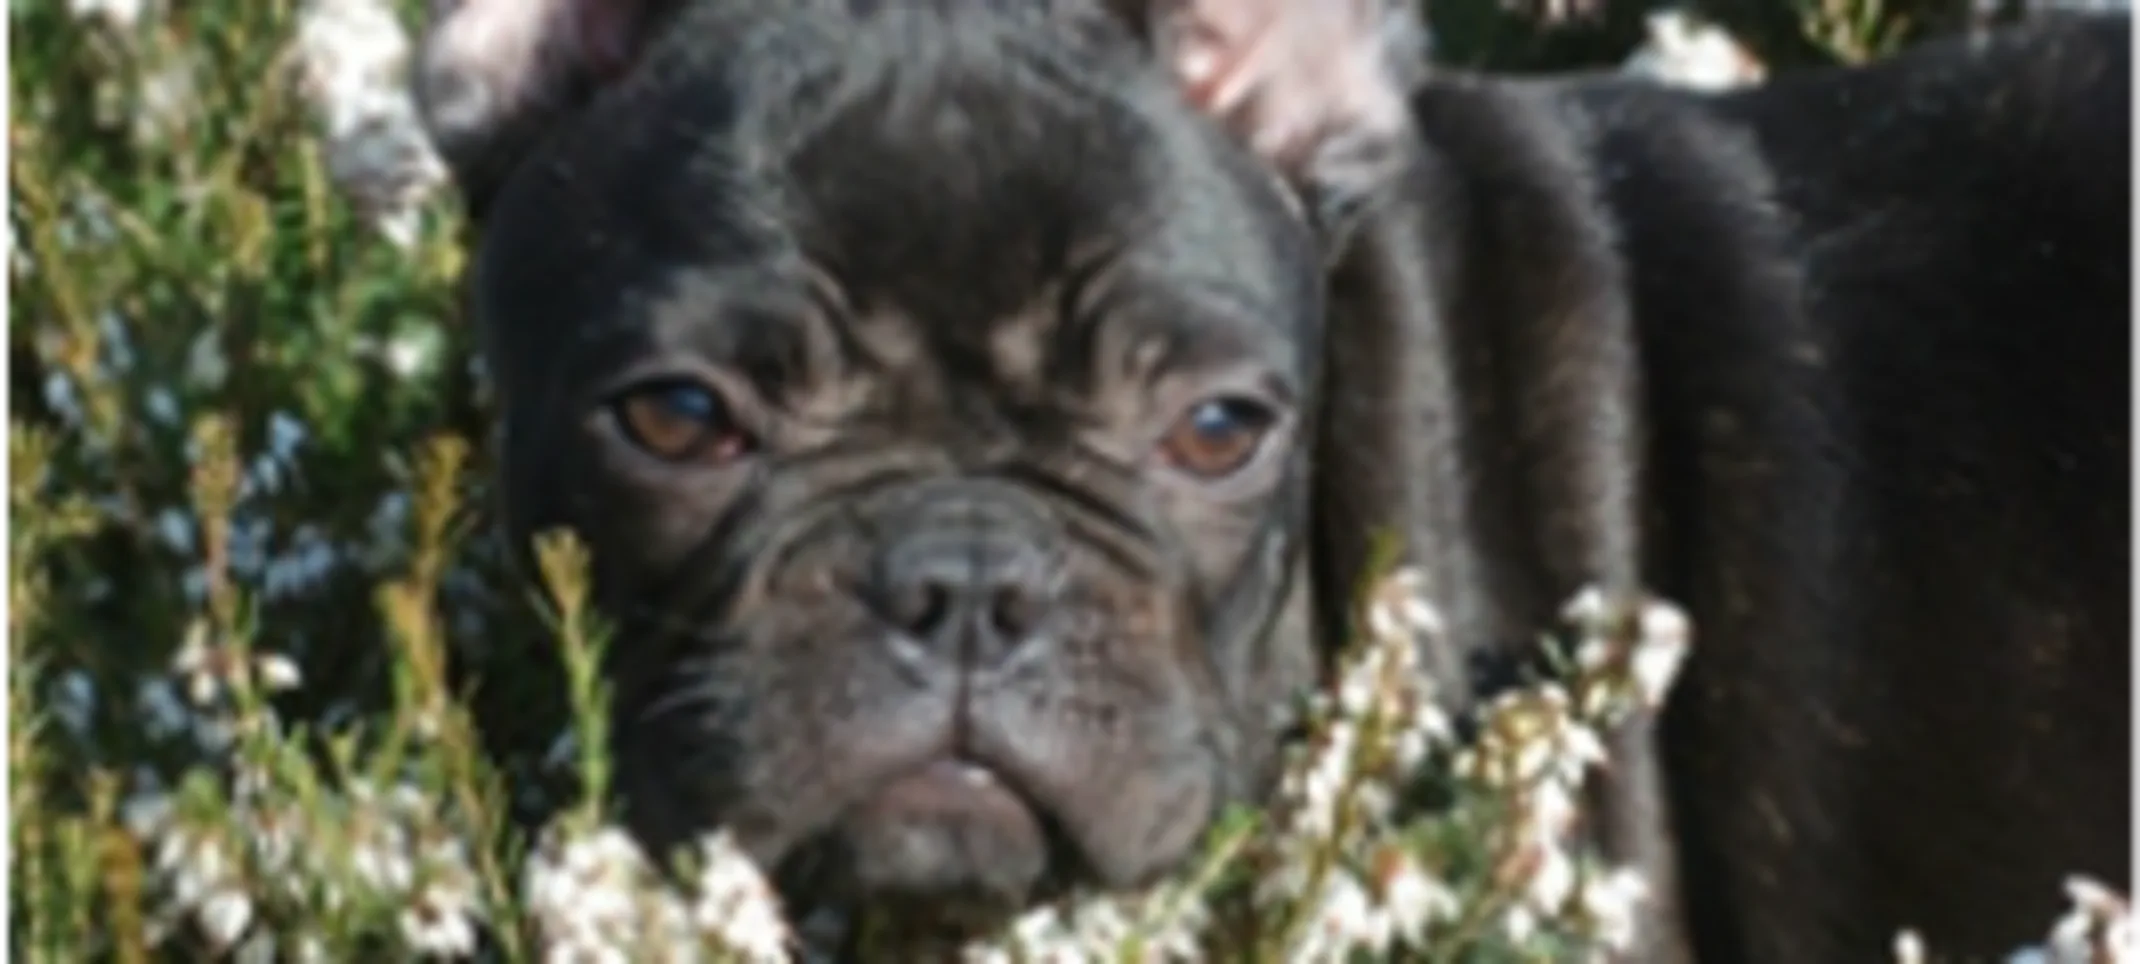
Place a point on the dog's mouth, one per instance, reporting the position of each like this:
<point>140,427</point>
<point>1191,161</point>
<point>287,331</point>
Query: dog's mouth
<point>950,844</point>
<point>954,789</point>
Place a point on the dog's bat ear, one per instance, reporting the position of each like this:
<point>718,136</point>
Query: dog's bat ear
<point>492,75</point>
<point>1319,89</point>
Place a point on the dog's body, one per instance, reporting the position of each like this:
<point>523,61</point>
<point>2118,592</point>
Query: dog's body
<point>1882,319</point>
<point>977,444</point>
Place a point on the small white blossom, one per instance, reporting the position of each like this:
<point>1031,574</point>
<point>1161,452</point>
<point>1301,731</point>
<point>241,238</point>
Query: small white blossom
<point>118,14</point>
<point>225,915</point>
<point>1552,880</point>
<point>2097,930</point>
<point>279,672</point>
<point>1657,656</point>
<point>203,666</point>
<point>1613,901</point>
<point>1683,51</point>
<point>381,863</point>
<point>274,839</point>
<point>595,895</point>
<point>1415,899</point>
<point>438,924</point>
<point>310,950</point>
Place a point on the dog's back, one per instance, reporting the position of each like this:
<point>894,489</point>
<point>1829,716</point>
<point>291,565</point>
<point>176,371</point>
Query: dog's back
<point>1881,320</point>
<point>1889,393</point>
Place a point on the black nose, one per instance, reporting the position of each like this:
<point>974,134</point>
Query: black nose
<point>971,587</point>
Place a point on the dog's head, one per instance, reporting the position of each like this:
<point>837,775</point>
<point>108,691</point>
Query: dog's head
<point>932,384</point>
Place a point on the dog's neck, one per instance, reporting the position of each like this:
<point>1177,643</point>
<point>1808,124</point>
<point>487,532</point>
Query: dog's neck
<point>1470,321</point>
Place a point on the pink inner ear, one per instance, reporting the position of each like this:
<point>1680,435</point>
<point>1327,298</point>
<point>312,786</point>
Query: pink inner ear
<point>1215,51</point>
<point>1285,74</point>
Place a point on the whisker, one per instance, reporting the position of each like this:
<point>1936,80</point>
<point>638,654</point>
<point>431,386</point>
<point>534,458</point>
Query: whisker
<point>700,693</point>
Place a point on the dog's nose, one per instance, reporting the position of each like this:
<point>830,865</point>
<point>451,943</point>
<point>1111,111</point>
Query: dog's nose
<point>970,590</point>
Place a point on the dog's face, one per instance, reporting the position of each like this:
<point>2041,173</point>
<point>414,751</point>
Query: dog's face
<point>930,383</point>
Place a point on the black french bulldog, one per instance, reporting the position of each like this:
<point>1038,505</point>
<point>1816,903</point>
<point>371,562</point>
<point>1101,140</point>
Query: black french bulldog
<point>979,412</point>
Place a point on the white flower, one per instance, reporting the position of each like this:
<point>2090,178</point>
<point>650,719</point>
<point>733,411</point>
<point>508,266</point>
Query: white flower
<point>169,96</point>
<point>1520,923</point>
<point>1659,652</point>
<point>274,838</point>
<point>202,665</point>
<point>593,894</point>
<point>381,864</point>
<point>736,905</point>
<point>224,916</point>
<point>1612,901</point>
<point>119,14</point>
<point>575,952</point>
<point>437,924</point>
<point>13,255</point>
<point>203,871</point>
<point>1688,53</point>
<point>1548,809</point>
<point>2097,930</point>
<point>1586,608</point>
<point>1551,881</point>
<point>1399,610</point>
<point>278,672</point>
<point>1413,898</point>
<point>310,950</point>
<point>1909,948</point>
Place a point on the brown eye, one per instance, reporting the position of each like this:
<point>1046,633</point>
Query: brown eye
<point>680,421</point>
<point>1217,437</point>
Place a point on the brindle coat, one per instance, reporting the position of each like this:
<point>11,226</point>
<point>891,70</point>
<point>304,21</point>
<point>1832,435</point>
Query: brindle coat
<point>1838,363</point>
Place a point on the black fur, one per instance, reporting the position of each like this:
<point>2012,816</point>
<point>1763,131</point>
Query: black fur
<point>1880,321</point>
<point>1838,363</point>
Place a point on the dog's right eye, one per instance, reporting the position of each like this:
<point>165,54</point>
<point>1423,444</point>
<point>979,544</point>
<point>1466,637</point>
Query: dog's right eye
<point>1218,436</point>
<point>680,421</point>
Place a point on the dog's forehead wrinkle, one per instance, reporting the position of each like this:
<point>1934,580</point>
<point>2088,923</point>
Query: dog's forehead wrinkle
<point>1017,128</point>
<point>797,59</point>
<point>755,317</point>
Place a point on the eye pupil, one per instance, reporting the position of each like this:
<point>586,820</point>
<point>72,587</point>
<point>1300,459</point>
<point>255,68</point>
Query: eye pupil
<point>1217,436</point>
<point>678,421</point>
<point>1218,419</point>
<point>689,401</point>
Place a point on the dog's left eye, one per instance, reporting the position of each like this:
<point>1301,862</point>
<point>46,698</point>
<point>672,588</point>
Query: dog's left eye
<point>680,420</point>
<point>1218,436</point>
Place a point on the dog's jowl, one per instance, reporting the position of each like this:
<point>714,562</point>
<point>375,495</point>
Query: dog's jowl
<point>979,412</point>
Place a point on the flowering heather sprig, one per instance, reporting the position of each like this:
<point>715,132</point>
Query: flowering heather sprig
<point>1334,876</point>
<point>588,889</point>
<point>268,866</point>
<point>279,857</point>
<point>1683,50</point>
<point>2096,929</point>
<point>594,897</point>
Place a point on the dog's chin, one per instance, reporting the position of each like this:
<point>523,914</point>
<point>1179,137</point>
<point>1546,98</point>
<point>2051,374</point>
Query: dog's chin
<point>949,839</point>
